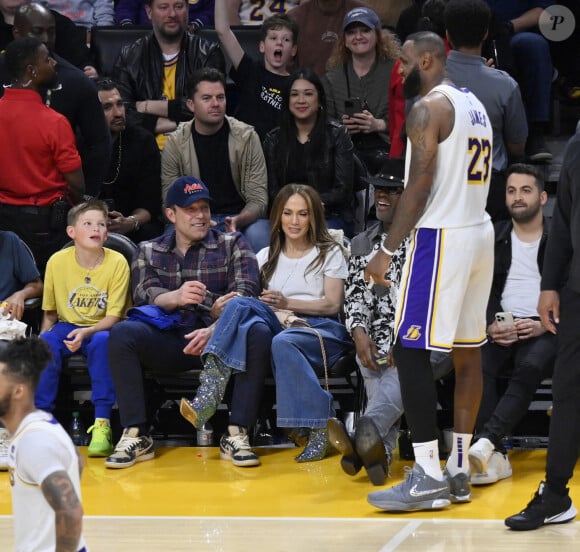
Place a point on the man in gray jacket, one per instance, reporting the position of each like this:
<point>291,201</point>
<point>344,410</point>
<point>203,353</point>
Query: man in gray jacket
<point>467,23</point>
<point>226,154</point>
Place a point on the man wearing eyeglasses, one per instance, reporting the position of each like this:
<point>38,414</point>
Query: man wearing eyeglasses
<point>370,319</point>
<point>369,313</point>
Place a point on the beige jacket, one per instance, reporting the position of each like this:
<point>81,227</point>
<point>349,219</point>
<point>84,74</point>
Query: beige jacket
<point>247,162</point>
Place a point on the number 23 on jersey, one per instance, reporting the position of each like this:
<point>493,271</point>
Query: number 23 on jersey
<point>479,169</point>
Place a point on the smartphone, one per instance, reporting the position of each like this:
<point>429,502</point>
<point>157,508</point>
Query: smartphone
<point>495,56</point>
<point>352,106</point>
<point>504,319</point>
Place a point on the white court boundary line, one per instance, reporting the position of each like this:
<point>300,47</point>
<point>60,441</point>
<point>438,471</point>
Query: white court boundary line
<point>390,519</point>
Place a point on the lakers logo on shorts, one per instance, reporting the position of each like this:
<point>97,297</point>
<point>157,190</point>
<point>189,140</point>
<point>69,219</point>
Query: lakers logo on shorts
<point>413,333</point>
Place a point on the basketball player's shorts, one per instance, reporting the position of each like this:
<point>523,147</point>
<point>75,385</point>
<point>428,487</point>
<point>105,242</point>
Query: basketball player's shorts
<point>445,288</point>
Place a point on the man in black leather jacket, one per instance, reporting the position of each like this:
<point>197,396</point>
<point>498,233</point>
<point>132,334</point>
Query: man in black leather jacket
<point>153,72</point>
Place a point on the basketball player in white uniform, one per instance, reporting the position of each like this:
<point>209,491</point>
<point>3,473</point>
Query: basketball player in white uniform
<point>43,462</point>
<point>255,12</point>
<point>448,272</point>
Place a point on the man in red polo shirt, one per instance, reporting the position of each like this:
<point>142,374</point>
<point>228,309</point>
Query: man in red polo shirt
<point>41,169</point>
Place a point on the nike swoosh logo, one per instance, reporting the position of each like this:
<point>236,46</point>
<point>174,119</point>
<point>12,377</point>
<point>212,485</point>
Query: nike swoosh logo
<point>415,492</point>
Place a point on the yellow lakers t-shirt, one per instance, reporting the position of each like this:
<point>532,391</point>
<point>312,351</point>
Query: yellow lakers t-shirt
<point>169,71</point>
<point>84,297</point>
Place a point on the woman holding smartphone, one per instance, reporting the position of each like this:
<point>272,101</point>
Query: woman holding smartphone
<point>357,83</point>
<point>309,148</point>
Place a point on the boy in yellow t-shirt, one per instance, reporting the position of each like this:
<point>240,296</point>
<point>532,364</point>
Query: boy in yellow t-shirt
<point>86,292</point>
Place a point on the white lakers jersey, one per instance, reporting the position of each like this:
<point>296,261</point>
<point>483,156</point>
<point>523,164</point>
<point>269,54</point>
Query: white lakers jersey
<point>463,169</point>
<point>39,447</point>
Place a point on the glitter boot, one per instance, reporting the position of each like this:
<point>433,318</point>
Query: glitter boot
<point>317,447</point>
<point>213,381</point>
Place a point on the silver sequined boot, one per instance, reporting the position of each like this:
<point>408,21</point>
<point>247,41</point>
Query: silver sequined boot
<point>213,380</point>
<point>317,447</point>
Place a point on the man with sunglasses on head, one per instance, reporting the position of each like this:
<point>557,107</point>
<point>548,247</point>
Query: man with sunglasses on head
<point>132,186</point>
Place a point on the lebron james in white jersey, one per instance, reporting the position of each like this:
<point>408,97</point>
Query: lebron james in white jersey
<point>448,271</point>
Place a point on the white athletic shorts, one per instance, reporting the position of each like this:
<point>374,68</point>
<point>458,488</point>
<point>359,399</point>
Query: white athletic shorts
<point>445,288</point>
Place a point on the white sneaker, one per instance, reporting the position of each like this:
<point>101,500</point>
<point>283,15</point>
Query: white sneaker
<point>4,445</point>
<point>235,446</point>
<point>498,467</point>
<point>479,455</point>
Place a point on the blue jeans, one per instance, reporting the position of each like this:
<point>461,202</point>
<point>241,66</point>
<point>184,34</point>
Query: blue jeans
<point>296,356</point>
<point>94,348</point>
<point>298,365</point>
<point>241,340</point>
<point>534,66</point>
<point>257,233</point>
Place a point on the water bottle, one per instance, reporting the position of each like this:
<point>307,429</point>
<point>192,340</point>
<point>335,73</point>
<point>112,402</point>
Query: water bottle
<point>77,430</point>
<point>205,435</point>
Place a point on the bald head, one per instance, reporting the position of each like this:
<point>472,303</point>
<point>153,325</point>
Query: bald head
<point>422,63</point>
<point>427,41</point>
<point>34,20</point>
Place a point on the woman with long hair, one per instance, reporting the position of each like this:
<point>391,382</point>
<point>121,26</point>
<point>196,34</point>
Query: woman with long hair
<point>357,83</point>
<point>303,273</point>
<point>309,148</point>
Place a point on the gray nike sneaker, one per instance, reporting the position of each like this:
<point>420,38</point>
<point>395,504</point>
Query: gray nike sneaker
<point>459,488</point>
<point>418,492</point>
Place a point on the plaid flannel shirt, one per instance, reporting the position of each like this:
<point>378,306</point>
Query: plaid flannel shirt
<point>224,262</point>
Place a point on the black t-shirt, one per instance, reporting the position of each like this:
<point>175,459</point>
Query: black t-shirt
<point>260,95</point>
<point>215,171</point>
<point>296,171</point>
<point>135,180</point>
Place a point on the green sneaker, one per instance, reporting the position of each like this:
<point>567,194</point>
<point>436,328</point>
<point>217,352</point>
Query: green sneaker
<point>102,439</point>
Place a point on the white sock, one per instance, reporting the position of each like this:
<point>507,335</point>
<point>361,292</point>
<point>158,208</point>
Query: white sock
<point>458,461</point>
<point>427,456</point>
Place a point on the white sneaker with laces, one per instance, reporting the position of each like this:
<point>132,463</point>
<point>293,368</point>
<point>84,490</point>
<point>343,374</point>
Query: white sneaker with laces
<point>498,467</point>
<point>235,446</point>
<point>4,445</point>
<point>130,449</point>
<point>479,454</point>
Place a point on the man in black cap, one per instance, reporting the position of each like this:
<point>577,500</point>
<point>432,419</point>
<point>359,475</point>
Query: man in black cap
<point>370,319</point>
<point>186,276</point>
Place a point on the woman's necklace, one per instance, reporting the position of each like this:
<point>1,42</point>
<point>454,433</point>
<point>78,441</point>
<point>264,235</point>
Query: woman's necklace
<point>293,269</point>
<point>99,260</point>
<point>118,169</point>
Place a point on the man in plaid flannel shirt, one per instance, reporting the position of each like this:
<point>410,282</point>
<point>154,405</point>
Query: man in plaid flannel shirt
<point>193,271</point>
